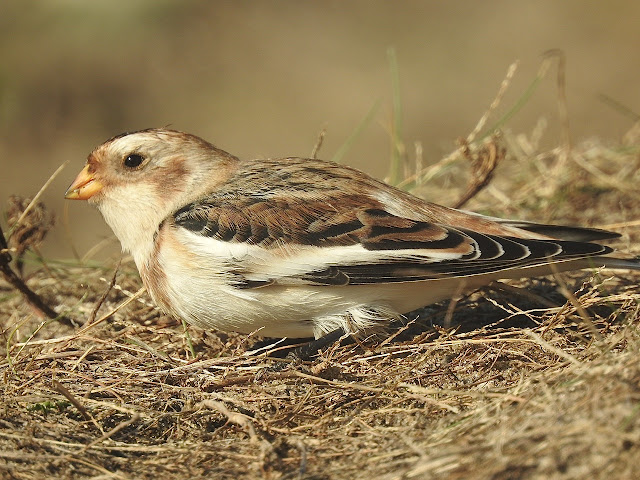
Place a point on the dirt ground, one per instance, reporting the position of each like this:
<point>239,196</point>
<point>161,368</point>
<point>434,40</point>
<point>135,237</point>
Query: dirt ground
<point>531,379</point>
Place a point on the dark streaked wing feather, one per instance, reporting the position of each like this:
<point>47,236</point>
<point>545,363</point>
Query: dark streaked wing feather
<point>542,252</point>
<point>273,222</point>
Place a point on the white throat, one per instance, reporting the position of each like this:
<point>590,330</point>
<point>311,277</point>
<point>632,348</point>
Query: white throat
<point>136,221</point>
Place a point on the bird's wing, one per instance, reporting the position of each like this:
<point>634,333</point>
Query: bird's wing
<point>559,232</point>
<point>353,239</point>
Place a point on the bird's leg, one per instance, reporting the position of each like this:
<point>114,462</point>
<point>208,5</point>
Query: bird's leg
<point>302,348</point>
<point>312,349</point>
<point>277,347</point>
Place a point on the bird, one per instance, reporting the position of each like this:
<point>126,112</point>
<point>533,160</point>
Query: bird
<point>301,247</point>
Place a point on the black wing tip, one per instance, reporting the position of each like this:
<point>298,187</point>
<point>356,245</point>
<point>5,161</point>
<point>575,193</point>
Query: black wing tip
<point>569,233</point>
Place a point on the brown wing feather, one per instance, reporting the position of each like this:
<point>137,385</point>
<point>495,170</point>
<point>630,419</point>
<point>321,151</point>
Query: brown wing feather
<point>291,207</point>
<point>271,223</point>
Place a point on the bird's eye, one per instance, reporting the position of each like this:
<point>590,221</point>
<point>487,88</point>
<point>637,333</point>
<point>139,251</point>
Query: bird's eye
<point>133,160</point>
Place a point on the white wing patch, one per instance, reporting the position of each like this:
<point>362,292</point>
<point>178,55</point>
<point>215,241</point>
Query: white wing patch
<point>263,264</point>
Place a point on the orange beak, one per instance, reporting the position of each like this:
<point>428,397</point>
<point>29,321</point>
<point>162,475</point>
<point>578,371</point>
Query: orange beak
<point>84,186</point>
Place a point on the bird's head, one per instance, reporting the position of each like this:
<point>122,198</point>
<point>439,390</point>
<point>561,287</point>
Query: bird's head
<point>138,179</point>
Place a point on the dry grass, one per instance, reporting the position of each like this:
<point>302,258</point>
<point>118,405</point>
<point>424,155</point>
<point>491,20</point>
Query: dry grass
<point>525,383</point>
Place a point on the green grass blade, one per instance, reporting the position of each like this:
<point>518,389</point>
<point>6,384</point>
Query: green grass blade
<point>397,146</point>
<point>346,146</point>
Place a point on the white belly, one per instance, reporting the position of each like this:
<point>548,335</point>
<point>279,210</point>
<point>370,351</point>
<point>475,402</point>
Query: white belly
<point>198,286</point>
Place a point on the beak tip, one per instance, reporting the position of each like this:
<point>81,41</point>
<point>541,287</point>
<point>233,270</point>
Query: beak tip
<point>71,194</point>
<point>84,186</point>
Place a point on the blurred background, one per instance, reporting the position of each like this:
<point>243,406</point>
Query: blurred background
<point>264,78</point>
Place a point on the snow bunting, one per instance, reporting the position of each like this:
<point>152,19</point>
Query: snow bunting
<point>297,247</point>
